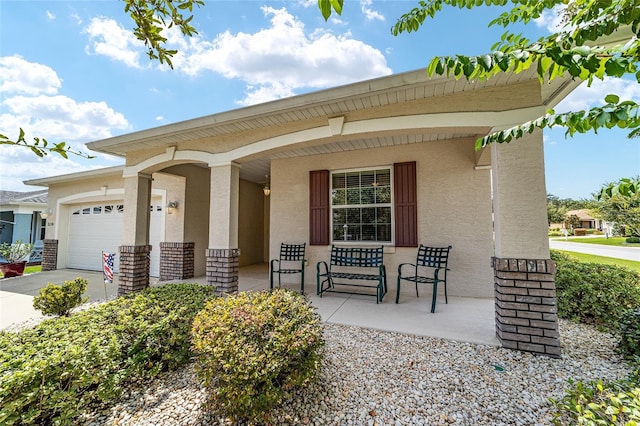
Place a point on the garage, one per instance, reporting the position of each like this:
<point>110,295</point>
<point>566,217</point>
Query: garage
<point>97,227</point>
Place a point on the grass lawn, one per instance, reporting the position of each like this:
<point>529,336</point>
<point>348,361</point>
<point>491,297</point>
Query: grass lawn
<point>613,241</point>
<point>32,269</point>
<point>582,257</point>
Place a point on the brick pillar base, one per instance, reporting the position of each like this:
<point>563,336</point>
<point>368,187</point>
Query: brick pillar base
<point>222,270</point>
<point>176,260</point>
<point>49,255</point>
<point>134,269</point>
<point>526,315</point>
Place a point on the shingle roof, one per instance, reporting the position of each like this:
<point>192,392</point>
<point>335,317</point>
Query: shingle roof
<point>17,197</point>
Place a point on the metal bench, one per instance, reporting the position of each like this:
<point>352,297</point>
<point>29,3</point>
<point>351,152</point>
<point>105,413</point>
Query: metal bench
<point>430,268</point>
<point>353,264</point>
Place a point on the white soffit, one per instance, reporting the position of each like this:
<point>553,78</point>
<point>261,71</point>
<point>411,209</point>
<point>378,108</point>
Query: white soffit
<point>333,102</point>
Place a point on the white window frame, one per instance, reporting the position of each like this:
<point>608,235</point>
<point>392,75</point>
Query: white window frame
<point>391,205</point>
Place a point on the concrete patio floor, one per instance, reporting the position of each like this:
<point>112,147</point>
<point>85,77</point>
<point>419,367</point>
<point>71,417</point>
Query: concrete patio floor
<point>462,319</point>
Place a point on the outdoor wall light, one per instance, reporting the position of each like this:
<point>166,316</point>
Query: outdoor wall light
<point>172,206</point>
<point>267,188</point>
<point>46,214</point>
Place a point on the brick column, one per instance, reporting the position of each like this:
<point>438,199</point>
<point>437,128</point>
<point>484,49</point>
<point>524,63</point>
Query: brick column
<point>134,269</point>
<point>222,270</point>
<point>49,255</point>
<point>526,315</point>
<point>176,260</point>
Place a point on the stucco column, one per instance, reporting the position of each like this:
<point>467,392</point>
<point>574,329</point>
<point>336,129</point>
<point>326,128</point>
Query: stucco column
<point>134,252</point>
<point>525,297</point>
<point>223,252</point>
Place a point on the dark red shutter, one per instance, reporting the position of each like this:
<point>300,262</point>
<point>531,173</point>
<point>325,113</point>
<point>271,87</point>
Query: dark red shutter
<point>405,204</point>
<point>319,207</point>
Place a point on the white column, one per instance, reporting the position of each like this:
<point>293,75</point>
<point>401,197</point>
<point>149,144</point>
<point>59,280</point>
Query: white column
<point>223,211</point>
<point>137,199</point>
<point>520,199</point>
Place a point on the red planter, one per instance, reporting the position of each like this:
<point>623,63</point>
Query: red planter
<point>12,269</point>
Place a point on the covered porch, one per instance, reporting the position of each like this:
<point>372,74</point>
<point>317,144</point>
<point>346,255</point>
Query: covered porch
<point>386,163</point>
<point>464,319</point>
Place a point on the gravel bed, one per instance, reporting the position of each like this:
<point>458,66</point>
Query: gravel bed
<point>372,377</point>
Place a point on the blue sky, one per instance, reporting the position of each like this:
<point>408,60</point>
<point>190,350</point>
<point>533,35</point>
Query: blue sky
<point>72,71</point>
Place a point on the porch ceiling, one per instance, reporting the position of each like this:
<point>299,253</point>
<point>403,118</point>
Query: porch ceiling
<point>255,169</point>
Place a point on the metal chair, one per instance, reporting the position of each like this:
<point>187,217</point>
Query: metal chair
<point>291,261</point>
<point>430,268</point>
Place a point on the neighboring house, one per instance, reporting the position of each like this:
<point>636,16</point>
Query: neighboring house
<point>389,162</point>
<point>586,220</point>
<point>21,218</point>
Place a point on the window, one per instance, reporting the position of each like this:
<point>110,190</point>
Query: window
<point>97,210</point>
<point>362,200</point>
<point>361,205</point>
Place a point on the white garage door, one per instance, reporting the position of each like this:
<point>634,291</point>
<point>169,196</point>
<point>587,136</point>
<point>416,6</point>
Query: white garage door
<point>97,227</point>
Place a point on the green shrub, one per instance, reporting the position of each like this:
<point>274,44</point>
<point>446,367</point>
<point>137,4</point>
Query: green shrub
<point>629,343</point>
<point>593,293</point>
<point>555,234</point>
<point>633,240</point>
<point>558,257</point>
<point>49,374</point>
<point>254,348</point>
<point>61,299</point>
<point>598,403</point>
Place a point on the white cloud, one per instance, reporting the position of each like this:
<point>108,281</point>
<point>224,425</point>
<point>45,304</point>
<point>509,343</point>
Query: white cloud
<point>19,164</point>
<point>308,3</point>
<point>110,39</point>
<point>62,118</point>
<point>273,62</point>
<point>335,20</point>
<point>20,76</point>
<point>50,15</point>
<point>35,105</point>
<point>282,58</point>
<point>586,97</point>
<point>552,19</point>
<point>266,92</point>
<point>77,17</point>
<point>369,13</point>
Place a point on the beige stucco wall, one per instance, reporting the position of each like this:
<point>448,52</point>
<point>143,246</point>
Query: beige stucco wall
<point>194,208</point>
<point>521,231</point>
<point>251,223</point>
<point>109,187</point>
<point>454,208</point>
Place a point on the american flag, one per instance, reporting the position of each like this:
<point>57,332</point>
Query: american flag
<point>107,267</point>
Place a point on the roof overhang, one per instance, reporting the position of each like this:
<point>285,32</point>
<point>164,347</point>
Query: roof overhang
<point>335,102</point>
<point>78,176</point>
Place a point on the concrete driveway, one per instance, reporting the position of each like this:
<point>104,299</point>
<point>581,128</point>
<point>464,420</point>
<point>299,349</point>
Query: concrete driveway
<point>16,294</point>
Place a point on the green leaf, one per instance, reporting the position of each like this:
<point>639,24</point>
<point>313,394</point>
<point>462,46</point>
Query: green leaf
<point>612,99</point>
